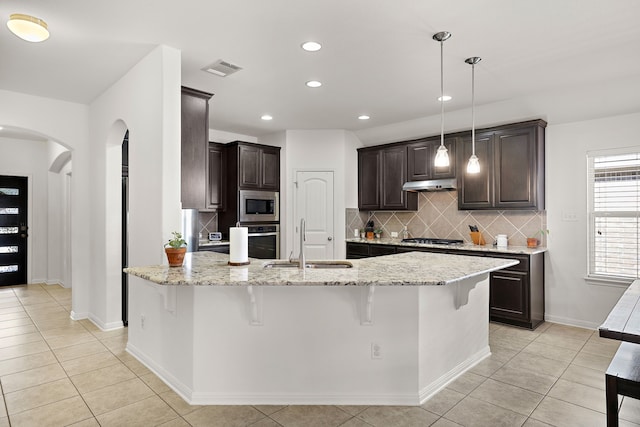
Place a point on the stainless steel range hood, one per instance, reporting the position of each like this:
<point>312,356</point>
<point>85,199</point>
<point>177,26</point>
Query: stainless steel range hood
<point>430,185</point>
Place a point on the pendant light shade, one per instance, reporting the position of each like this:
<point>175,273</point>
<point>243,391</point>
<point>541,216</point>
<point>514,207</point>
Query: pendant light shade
<point>28,27</point>
<point>473,166</point>
<point>442,155</point>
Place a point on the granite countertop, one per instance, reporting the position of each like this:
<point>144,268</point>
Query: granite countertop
<point>464,246</point>
<point>408,269</point>
<point>205,242</point>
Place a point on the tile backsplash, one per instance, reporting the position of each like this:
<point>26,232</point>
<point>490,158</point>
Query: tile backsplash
<point>208,222</point>
<point>438,216</point>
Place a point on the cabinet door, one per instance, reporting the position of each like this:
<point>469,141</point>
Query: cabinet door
<point>475,191</point>
<point>421,156</point>
<point>515,168</point>
<point>194,143</point>
<point>249,166</point>
<point>419,160</point>
<point>270,169</point>
<point>368,179</point>
<point>394,175</point>
<point>215,190</point>
<point>357,250</point>
<point>509,295</point>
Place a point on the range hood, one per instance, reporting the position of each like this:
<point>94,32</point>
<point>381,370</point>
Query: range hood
<point>430,185</point>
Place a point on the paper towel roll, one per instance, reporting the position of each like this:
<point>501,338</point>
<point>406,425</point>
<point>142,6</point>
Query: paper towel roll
<point>238,245</point>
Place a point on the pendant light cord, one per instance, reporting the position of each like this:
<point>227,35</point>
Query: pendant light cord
<point>442,93</point>
<point>473,109</point>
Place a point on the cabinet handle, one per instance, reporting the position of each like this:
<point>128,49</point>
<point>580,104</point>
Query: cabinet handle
<point>329,238</point>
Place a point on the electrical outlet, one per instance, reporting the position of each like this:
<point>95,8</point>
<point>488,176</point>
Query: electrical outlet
<point>376,351</point>
<point>394,234</point>
<point>142,319</point>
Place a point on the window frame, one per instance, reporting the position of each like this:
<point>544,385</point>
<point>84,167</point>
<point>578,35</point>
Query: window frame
<point>591,275</point>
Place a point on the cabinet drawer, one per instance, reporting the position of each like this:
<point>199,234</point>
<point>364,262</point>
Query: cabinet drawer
<point>377,250</point>
<point>522,267</point>
<point>357,250</point>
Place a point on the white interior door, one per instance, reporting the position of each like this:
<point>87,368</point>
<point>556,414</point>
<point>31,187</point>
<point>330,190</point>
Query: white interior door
<point>314,203</point>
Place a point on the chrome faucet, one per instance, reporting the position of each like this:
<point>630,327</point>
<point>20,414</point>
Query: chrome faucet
<point>302,261</point>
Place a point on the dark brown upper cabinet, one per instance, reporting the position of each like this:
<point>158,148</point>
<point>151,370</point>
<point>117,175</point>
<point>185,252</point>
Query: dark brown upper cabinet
<point>511,168</point>
<point>258,166</point>
<point>421,155</point>
<point>217,173</point>
<point>194,145</point>
<point>381,173</point>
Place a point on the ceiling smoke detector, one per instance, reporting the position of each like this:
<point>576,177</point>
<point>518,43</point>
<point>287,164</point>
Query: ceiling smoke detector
<point>222,68</point>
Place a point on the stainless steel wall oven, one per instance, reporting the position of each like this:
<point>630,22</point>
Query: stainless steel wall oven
<point>264,241</point>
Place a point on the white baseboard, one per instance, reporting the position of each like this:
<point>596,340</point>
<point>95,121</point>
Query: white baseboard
<point>79,316</point>
<point>571,322</point>
<point>430,390</point>
<point>54,282</point>
<point>205,398</point>
<point>105,326</point>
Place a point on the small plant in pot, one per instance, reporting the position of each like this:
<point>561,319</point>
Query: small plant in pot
<point>533,242</point>
<point>175,249</point>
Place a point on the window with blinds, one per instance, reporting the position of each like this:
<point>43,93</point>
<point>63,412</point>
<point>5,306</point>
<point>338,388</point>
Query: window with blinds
<point>614,215</point>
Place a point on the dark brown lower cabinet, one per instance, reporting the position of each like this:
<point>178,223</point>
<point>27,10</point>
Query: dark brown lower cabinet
<point>516,294</point>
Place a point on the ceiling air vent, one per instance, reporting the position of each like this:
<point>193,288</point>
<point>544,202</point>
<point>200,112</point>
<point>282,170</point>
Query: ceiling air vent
<point>222,68</point>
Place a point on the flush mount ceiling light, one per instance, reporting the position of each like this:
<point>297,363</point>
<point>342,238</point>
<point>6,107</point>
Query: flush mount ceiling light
<point>28,28</point>
<point>473,166</point>
<point>313,83</point>
<point>442,156</point>
<point>311,46</point>
<point>266,117</point>
<point>363,117</point>
<point>444,98</point>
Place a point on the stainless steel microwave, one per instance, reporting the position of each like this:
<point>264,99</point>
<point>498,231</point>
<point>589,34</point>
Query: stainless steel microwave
<point>259,206</point>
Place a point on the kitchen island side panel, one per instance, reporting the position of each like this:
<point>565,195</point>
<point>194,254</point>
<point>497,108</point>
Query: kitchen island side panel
<point>457,338</point>
<point>161,331</point>
<point>311,346</point>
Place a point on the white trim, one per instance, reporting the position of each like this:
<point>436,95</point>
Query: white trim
<point>608,281</point>
<point>78,316</point>
<point>571,322</point>
<point>429,391</point>
<point>105,326</point>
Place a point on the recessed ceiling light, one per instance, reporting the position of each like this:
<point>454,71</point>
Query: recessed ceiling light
<point>28,27</point>
<point>266,117</point>
<point>311,46</point>
<point>444,98</point>
<point>364,117</point>
<point>313,83</point>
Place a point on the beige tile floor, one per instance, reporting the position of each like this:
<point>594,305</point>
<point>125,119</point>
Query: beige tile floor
<point>56,372</point>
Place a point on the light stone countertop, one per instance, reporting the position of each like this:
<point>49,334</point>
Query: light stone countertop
<point>407,269</point>
<point>522,250</point>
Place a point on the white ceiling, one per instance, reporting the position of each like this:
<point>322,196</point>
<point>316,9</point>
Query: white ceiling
<point>378,56</point>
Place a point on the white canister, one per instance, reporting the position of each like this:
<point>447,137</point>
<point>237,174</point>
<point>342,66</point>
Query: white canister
<point>501,240</point>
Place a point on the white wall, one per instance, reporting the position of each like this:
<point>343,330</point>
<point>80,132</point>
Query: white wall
<point>146,101</point>
<point>67,124</point>
<point>320,150</point>
<point>29,158</point>
<point>569,298</point>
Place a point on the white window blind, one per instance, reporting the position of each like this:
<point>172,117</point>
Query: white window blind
<point>614,215</point>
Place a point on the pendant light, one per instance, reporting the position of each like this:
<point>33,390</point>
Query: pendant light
<point>442,156</point>
<point>473,166</point>
<point>28,27</point>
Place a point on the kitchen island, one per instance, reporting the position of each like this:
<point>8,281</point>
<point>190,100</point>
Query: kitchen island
<point>391,330</point>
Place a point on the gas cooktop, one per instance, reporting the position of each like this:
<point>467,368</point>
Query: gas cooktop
<point>433,241</point>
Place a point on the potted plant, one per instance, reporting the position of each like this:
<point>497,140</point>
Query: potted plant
<point>378,233</point>
<point>175,249</point>
<point>533,242</point>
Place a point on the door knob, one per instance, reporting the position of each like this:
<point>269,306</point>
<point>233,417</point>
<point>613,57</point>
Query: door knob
<point>329,238</point>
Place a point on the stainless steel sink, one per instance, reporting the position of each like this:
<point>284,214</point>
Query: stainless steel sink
<point>308,264</point>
